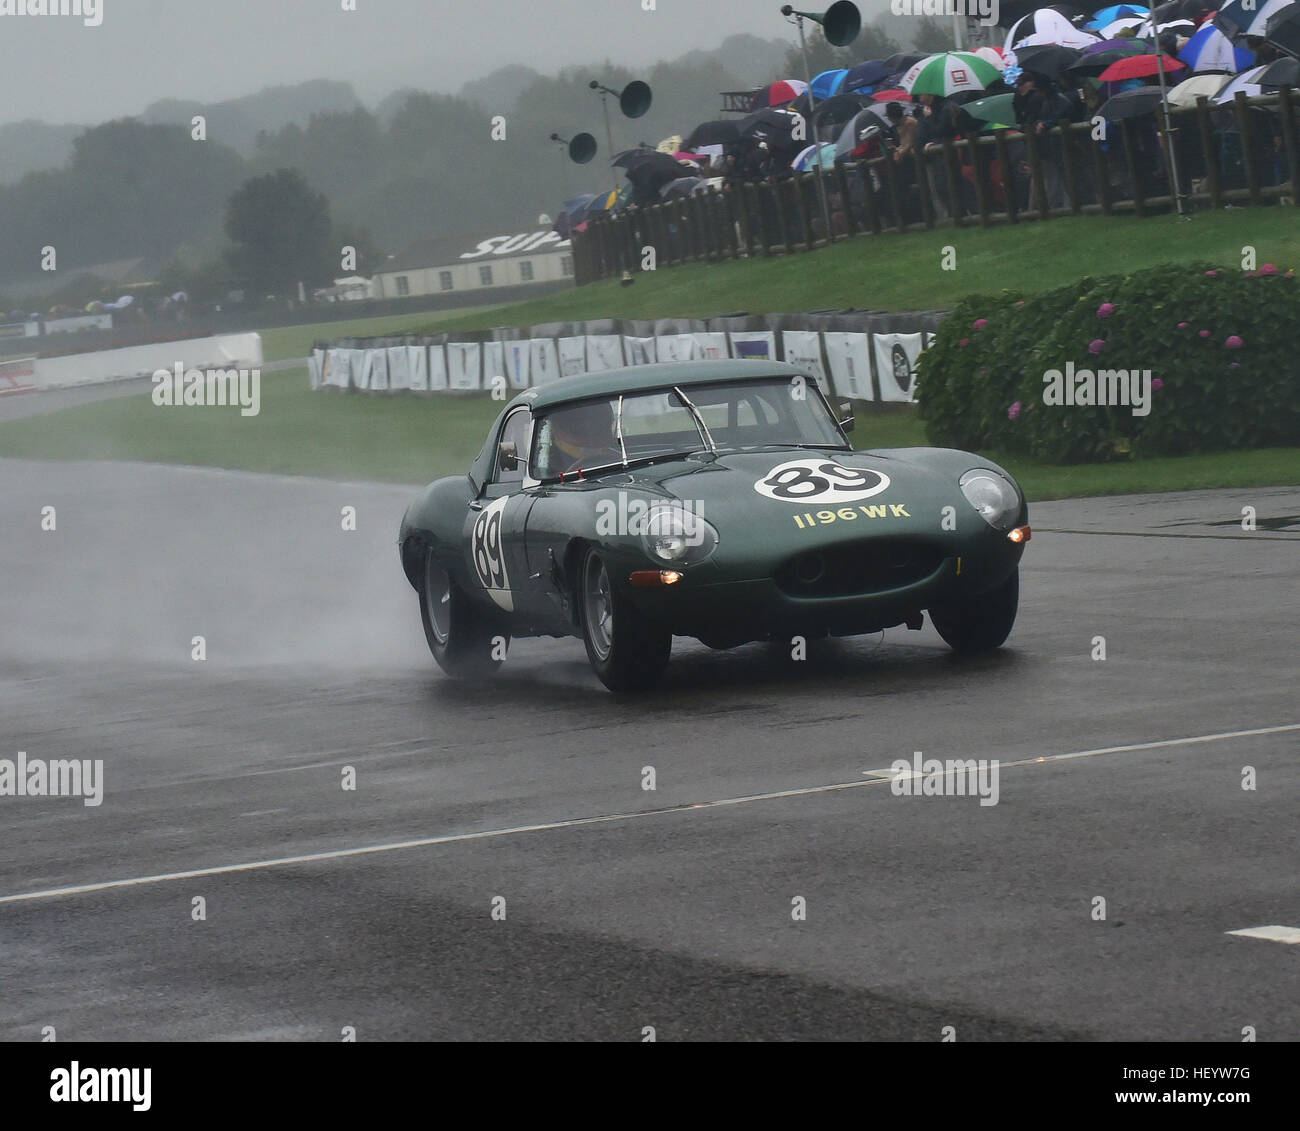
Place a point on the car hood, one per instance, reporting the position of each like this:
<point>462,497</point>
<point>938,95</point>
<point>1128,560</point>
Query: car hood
<point>768,505</point>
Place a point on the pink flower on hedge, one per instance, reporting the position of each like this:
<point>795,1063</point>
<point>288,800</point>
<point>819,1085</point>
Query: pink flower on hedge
<point>1157,384</point>
<point>979,323</point>
<point>1183,325</point>
<point>1213,274</point>
<point>964,342</point>
<point>1268,269</point>
<point>1013,413</point>
<point>1021,302</point>
<point>1096,345</point>
<point>1234,342</point>
<point>1105,310</point>
<point>1204,333</point>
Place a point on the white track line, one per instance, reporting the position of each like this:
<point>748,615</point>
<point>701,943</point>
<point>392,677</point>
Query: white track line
<point>1273,934</point>
<point>578,822</point>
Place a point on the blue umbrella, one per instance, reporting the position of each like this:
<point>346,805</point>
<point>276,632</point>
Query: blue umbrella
<point>866,74</point>
<point>1210,50</point>
<point>828,83</point>
<point>1113,13</point>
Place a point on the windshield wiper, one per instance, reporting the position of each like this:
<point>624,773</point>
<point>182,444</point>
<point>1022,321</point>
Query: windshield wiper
<point>699,420</point>
<point>618,429</point>
<point>584,472</point>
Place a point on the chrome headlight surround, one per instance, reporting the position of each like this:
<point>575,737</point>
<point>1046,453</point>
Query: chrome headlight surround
<point>993,496</point>
<point>672,534</point>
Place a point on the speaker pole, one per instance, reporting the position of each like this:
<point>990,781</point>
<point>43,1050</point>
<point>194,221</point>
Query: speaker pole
<point>812,110</point>
<point>609,133</point>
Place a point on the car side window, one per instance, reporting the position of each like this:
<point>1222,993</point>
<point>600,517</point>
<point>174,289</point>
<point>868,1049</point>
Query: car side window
<point>515,431</point>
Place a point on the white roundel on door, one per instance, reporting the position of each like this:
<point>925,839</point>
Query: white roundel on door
<point>487,552</point>
<point>820,480</point>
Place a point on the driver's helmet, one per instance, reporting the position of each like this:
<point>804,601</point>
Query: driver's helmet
<point>581,431</point>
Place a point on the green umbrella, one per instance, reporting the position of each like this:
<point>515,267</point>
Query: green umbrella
<point>996,111</point>
<point>948,73</point>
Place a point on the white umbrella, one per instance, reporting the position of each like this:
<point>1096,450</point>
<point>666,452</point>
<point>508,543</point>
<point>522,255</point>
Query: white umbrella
<point>1190,89</point>
<point>1248,17</point>
<point>1247,81</point>
<point>1128,23</point>
<point>1046,26</point>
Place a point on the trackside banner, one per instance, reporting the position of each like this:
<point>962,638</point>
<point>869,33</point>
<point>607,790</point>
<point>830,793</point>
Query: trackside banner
<point>857,355</point>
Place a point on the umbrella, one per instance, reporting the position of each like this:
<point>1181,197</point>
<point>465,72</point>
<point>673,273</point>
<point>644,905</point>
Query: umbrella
<point>570,211</point>
<point>1139,67</point>
<point>1178,27</point>
<point>1046,26</point>
<point>837,110</point>
<point>814,156</point>
<point>891,96</point>
<point>994,55</point>
<point>1284,72</point>
<point>1283,29</point>
<point>828,83</point>
<point>1193,87</point>
<point>872,118</point>
<point>867,74</point>
<point>776,127</point>
<point>125,300</point>
<point>683,186</point>
<point>778,94</point>
<point>1248,17</point>
<point>716,132</point>
<point>1095,59</point>
<point>1046,59</point>
<point>997,109</point>
<point>897,64</point>
<point>670,144</point>
<point>628,157</point>
<point>948,73</point>
<point>1113,13</point>
<point>1130,24</point>
<point>1131,103</point>
<point>1210,50</point>
<point>1247,81</point>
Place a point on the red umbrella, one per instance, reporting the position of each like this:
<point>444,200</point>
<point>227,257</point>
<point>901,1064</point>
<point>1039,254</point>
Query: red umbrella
<point>779,93</point>
<point>1138,67</point>
<point>891,96</point>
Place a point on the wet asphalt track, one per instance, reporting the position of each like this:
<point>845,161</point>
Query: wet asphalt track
<point>674,913</point>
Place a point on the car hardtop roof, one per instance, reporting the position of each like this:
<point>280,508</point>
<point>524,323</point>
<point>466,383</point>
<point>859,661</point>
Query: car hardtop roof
<point>641,378</point>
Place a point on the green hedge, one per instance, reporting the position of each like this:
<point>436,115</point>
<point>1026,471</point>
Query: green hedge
<point>1223,348</point>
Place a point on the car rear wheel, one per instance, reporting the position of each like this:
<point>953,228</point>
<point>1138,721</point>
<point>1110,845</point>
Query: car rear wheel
<point>463,639</point>
<point>980,623</point>
<point>627,650</point>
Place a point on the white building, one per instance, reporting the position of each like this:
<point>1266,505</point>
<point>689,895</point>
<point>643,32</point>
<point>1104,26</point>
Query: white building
<point>476,263</point>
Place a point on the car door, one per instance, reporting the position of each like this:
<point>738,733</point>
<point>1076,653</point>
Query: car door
<point>496,518</point>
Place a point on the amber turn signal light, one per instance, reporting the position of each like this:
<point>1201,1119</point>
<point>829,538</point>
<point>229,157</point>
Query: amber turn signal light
<point>1020,534</point>
<point>647,578</point>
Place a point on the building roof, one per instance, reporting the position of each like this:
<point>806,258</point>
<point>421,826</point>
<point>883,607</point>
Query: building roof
<point>483,247</point>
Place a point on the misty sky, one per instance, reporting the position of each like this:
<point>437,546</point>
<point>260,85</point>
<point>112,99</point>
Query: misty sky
<point>56,69</point>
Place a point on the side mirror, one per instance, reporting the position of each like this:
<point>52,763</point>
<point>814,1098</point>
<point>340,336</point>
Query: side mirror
<point>846,416</point>
<point>507,456</point>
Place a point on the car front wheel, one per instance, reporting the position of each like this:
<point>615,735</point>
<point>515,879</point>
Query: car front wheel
<point>980,623</point>
<point>627,650</point>
<point>463,639</point>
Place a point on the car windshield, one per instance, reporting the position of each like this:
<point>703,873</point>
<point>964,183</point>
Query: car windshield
<point>727,415</point>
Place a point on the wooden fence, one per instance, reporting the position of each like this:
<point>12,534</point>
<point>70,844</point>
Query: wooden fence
<point>1244,152</point>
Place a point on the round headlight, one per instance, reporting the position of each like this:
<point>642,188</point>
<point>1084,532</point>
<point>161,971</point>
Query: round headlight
<point>997,501</point>
<point>677,535</point>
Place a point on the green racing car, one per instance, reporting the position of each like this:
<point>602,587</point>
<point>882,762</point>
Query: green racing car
<point>715,499</point>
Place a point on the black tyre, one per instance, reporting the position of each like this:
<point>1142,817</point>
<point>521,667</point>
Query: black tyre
<point>627,651</point>
<point>982,623</point>
<point>467,642</point>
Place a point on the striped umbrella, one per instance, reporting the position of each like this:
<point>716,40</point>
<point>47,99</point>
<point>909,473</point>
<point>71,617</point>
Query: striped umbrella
<point>948,73</point>
<point>1248,17</point>
<point>779,93</point>
<point>1210,50</point>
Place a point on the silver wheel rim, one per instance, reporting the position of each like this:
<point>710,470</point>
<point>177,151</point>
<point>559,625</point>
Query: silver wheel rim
<point>437,599</point>
<point>599,609</point>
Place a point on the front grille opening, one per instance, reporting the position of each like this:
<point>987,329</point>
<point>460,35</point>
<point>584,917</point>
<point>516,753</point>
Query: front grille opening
<point>858,569</point>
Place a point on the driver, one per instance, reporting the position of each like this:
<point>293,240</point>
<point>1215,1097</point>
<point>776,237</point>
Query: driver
<point>583,436</point>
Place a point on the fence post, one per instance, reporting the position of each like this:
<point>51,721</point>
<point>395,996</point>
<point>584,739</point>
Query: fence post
<point>842,187</point>
<point>1008,176</point>
<point>923,186</point>
<point>1206,130</point>
<point>952,174</point>
<point>1071,167</point>
<point>1247,145</point>
<point>869,198</point>
<point>1287,111</point>
<point>782,222</point>
<point>981,189</point>
<point>1038,189</point>
<point>895,197</point>
<point>1134,174</point>
<point>797,185</point>
<point>761,210</point>
<point>1101,172</point>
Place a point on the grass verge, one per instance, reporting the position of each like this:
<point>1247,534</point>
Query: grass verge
<point>410,439</point>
